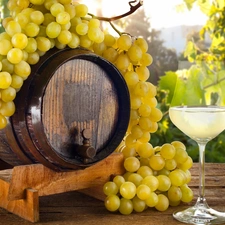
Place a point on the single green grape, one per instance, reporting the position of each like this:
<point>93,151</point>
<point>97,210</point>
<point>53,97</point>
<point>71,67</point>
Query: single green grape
<point>33,58</point>
<point>145,171</point>
<point>110,188</point>
<point>5,80</point>
<point>43,44</point>
<point>7,66</point>
<point>157,162</point>
<point>118,180</point>
<point>131,164</point>
<point>143,191</point>
<point>143,73</point>
<point>174,194</point>
<point>112,203</point>
<point>37,17</point>
<point>152,200</point>
<point>64,37</point>
<point>81,10</point>
<point>145,123</point>
<point>124,42</point>
<point>156,115</point>
<point>170,164</point>
<point>131,78</point>
<point>8,94</point>
<point>56,8</point>
<point>181,155</point>
<point>138,204</point>
<point>17,81</point>
<point>3,121</point>
<point>126,206</point>
<point>146,59</point>
<point>177,178</point>
<point>13,27</point>
<point>187,193</point>
<point>168,151</point>
<point>32,29</point>
<point>141,89</point>
<point>142,43</point>
<point>7,108</point>
<point>145,150</point>
<point>135,53</point>
<point>186,165</point>
<point>19,40</point>
<point>53,30</point>
<point>31,45</point>
<point>122,63</point>
<point>151,181</point>
<point>75,41</point>
<point>22,69</point>
<point>135,178</point>
<point>15,55</point>
<point>128,190</point>
<point>5,46</point>
<point>63,18</point>
<point>82,28</point>
<point>164,183</point>
<point>144,110</point>
<point>163,203</point>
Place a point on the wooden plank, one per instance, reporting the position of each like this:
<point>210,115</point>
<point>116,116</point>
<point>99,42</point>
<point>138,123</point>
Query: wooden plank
<point>49,182</point>
<point>211,169</point>
<point>78,208</point>
<point>214,175</point>
<point>210,181</point>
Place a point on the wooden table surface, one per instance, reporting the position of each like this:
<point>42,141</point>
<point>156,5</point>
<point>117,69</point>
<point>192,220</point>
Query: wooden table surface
<point>74,208</point>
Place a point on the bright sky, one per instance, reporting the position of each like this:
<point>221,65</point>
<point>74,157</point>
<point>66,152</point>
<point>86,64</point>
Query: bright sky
<point>162,12</point>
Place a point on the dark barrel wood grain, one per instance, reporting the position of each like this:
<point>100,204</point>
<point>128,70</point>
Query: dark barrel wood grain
<point>71,92</point>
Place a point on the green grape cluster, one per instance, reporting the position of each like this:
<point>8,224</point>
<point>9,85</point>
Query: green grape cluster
<point>154,178</point>
<point>33,28</point>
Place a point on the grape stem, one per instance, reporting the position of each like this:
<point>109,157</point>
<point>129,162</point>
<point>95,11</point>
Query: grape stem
<point>133,8</point>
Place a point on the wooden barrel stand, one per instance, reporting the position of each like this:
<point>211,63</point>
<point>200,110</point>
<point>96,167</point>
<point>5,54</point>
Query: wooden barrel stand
<point>21,186</point>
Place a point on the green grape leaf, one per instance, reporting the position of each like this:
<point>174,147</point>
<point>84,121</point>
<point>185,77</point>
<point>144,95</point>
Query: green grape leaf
<point>217,40</point>
<point>202,33</point>
<point>221,4</point>
<point>205,6</point>
<point>190,48</point>
<point>194,92</point>
<point>190,51</point>
<point>221,76</point>
<point>210,24</point>
<point>179,92</point>
<point>192,57</point>
<point>168,83</point>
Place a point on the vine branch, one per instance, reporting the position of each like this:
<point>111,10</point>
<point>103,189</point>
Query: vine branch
<point>133,8</point>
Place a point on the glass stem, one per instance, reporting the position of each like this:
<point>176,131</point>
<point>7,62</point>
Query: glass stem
<point>202,170</point>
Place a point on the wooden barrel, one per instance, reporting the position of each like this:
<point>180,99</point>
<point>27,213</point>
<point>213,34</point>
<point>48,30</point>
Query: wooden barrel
<point>72,111</point>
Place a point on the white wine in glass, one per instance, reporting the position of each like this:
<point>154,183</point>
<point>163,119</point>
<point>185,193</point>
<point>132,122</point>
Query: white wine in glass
<point>202,124</point>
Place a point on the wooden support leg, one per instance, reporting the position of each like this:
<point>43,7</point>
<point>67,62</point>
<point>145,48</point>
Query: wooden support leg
<point>21,186</point>
<point>27,208</point>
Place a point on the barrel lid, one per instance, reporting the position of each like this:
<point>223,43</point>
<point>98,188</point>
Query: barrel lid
<point>72,92</point>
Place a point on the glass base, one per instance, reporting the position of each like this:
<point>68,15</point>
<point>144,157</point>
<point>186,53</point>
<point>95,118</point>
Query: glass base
<point>200,214</point>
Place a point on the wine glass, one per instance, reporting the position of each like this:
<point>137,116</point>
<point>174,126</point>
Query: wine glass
<point>202,124</point>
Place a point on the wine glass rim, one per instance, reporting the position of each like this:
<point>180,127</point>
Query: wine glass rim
<point>195,108</point>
